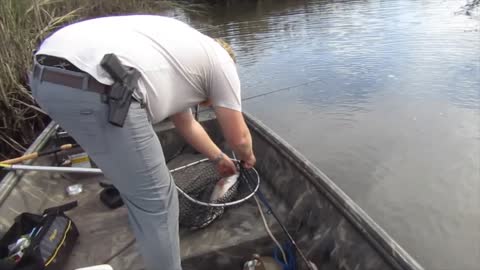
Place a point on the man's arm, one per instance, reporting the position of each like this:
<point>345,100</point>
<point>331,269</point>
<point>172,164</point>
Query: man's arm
<point>236,133</point>
<point>195,134</point>
<point>197,137</point>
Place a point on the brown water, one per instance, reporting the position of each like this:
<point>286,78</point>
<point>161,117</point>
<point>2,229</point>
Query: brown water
<point>391,113</point>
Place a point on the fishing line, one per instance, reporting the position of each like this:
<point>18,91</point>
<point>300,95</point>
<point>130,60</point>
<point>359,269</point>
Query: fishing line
<point>272,92</point>
<point>282,89</point>
<point>198,110</point>
<point>263,199</point>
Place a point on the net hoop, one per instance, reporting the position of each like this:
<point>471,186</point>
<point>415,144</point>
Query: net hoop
<point>239,201</point>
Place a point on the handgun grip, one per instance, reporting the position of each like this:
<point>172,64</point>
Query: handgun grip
<point>114,67</point>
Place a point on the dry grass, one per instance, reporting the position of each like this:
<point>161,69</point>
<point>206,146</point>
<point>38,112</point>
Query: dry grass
<point>23,24</point>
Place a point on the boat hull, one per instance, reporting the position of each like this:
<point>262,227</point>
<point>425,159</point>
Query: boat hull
<point>328,226</point>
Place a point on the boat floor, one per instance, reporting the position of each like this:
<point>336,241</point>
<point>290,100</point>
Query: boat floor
<point>105,235</point>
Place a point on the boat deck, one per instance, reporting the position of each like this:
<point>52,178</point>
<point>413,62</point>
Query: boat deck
<point>105,235</point>
<point>326,224</point>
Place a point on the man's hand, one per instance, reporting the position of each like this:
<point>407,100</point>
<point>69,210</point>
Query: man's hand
<point>235,131</point>
<point>249,162</point>
<point>226,167</point>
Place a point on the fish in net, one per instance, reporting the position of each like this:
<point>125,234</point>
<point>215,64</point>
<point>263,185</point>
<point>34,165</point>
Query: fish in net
<point>198,181</point>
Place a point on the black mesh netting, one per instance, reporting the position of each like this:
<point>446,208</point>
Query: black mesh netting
<point>199,181</point>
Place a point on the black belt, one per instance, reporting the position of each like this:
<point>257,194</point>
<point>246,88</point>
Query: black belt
<point>76,79</point>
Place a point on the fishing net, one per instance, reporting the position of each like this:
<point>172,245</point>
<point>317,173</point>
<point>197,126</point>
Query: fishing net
<point>196,182</point>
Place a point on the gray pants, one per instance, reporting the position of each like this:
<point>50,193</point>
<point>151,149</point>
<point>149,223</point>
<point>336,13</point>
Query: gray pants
<point>131,157</point>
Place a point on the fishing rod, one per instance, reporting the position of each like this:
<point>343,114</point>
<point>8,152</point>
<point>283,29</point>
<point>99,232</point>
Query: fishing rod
<point>35,155</point>
<point>263,199</point>
<point>13,167</point>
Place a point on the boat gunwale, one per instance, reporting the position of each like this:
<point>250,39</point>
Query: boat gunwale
<point>389,249</point>
<point>11,179</point>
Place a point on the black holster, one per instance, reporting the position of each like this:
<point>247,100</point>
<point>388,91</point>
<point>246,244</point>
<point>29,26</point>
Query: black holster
<point>125,83</point>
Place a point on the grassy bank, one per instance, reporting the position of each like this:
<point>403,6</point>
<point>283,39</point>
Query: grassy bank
<point>23,25</point>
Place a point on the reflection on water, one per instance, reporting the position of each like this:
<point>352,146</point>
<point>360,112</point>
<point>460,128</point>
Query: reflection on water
<point>391,112</point>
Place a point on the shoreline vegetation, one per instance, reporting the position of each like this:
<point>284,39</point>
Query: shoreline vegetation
<point>23,25</point>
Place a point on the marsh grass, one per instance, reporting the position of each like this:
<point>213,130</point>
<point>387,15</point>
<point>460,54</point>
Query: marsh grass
<point>23,25</point>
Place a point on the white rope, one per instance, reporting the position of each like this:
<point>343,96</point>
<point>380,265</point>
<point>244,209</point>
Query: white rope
<point>270,232</point>
<point>264,219</point>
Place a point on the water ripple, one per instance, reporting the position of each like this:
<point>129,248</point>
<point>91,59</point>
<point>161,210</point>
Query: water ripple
<point>395,116</point>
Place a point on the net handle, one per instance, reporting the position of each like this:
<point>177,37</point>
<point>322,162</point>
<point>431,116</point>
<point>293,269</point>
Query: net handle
<point>215,204</point>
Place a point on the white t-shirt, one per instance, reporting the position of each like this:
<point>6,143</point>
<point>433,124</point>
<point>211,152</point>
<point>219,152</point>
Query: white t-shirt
<point>180,66</point>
